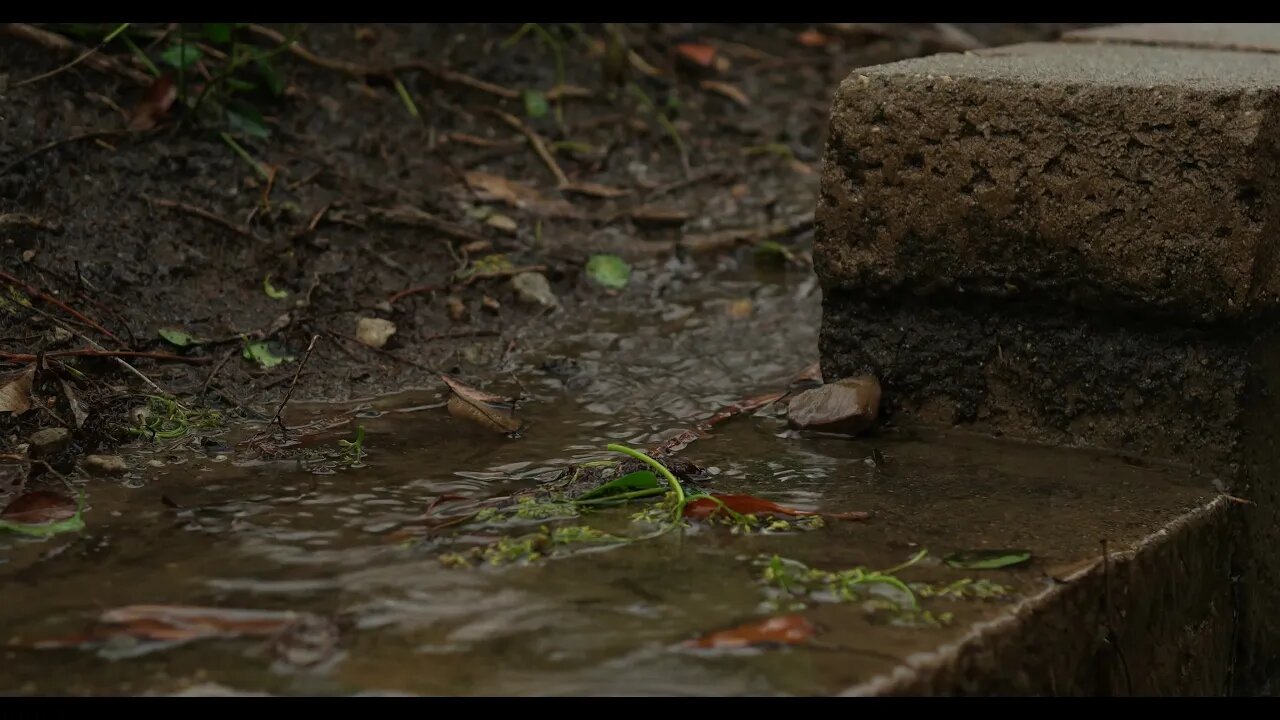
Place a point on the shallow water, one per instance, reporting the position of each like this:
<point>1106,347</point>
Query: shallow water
<point>270,535</point>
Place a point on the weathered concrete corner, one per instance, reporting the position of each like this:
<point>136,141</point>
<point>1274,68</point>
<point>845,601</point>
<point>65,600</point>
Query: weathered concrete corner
<point>1074,242</point>
<point>1108,177</point>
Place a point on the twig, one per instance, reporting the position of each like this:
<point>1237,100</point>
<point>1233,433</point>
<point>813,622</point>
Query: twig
<point>535,140</point>
<point>298,50</point>
<point>25,357</point>
<point>409,215</point>
<point>315,221</point>
<point>81,58</point>
<point>697,177</point>
<point>53,41</point>
<point>464,283</point>
<point>201,213</point>
<point>34,292</point>
<point>251,161</point>
<point>406,98</point>
<point>457,78</point>
<point>20,220</point>
<point>205,387</point>
<point>64,141</point>
<point>289,393</point>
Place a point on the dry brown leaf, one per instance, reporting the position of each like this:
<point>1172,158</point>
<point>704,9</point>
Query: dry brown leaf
<point>697,53</point>
<point>812,38</point>
<point>78,411</point>
<point>727,90</point>
<point>658,216</point>
<point>784,630</point>
<point>495,187</point>
<point>480,407</point>
<point>501,222</point>
<point>15,395</point>
<point>38,507</point>
<point>374,332</point>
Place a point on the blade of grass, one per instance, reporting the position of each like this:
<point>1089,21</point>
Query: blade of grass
<point>244,155</point>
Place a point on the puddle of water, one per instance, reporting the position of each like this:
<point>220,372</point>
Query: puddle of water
<point>607,622</point>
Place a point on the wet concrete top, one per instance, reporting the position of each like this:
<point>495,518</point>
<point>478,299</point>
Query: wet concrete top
<point>1251,37</point>
<point>1119,66</point>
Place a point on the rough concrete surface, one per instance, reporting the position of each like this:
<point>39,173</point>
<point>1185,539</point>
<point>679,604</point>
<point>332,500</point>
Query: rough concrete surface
<point>1076,242</point>
<point>1248,37</point>
<point>1106,177</point>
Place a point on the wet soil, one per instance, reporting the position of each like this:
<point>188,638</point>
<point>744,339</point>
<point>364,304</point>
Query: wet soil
<point>170,228</point>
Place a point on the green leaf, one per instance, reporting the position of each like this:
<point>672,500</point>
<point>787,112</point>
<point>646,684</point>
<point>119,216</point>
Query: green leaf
<point>987,559</point>
<point>217,32</point>
<point>770,252</point>
<point>240,85</point>
<point>610,271</point>
<point>248,121</point>
<point>271,291</point>
<point>274,81</point>
<point>74,523</point>
<point>181,56</point>
<point>261,354</point>
<point>178,337</point>
<point>639,480</point>
<point>535,103</point>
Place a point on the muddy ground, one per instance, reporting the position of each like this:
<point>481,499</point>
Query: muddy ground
<point>677,144</point>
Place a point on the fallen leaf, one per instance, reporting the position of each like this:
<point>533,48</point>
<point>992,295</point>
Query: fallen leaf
<point>750,505</point>
<point>782,630</point>
<point>78,411</point>
<point>533,288</point>
<point>154,105</point>
<point>39,506</point>
<point>535,103</point>
<point>488,186</point>
<point>847,406</point>
<point>696,53</point>
<point>501,222</point>
<point>15,395</point>
<point>487,265</point>
<point>260,353</point>
<point>739,309</point>
<point>490,304</point>
<point>595,190</point>
<point>642,65</point>
<point>169,624</point>
<point>457,309</point>
<point>771,252</point>
<point>178,338</point>
<point>610,271</point>
<point>374,332</point>
<point>727,90</point>
<point>483,408</point>
<point>639,480</point>
<point>658,216</point>
<point>812,38</point>
<point>987,559</point>
<point>271,291</point>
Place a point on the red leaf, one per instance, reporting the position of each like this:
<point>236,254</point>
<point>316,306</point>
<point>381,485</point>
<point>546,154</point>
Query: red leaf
<point>155,105</point>
<point>697,54</point>
<point>781,630</point>
<point>182,622</point>
<point>812,38</point>
<point>751,505</point>
<point>39,507</point>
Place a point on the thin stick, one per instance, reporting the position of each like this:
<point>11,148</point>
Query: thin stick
<point>289,393</point>
<point>409,215</point>
<point>535,140</point>
<point>24,357</point>
<point>249,159</point>
<point>64,141</point>
<point>34,292</point>
<point>201,213</point>
<point>406,98</point>
<point>205,387</point>
<point>58,43</point>
<point>83,56</point>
